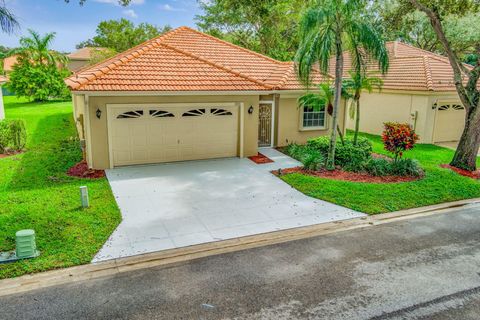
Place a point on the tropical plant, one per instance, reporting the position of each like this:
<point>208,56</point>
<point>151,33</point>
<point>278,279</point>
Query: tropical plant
<point>398,138</point>
<point>329,28</point>
<point>35,49</point>
<point>358,82</point>
<point>8,22</point>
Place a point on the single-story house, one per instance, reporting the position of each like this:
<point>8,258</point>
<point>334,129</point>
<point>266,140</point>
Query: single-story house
<point>3,79</point>
<point>81,58</point>
<point>417,89</point>
<point>186,95</point>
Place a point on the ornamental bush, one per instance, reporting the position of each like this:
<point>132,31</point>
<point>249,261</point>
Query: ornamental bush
<point>398,138</point>
<point>13,135</point>
<point>38,82</point>
<point>348,156</point>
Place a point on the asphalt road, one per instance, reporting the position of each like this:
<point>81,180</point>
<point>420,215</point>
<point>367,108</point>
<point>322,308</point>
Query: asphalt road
<point>427,268</point>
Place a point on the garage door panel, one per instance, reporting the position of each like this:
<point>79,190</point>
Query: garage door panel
<point>450,122</point>
<point>164,134</point>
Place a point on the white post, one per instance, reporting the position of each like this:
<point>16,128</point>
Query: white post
<point>2,111</point>
<point>84,197</point>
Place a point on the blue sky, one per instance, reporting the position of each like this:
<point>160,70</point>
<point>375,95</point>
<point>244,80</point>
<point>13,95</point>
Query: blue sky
<point>74,23</point>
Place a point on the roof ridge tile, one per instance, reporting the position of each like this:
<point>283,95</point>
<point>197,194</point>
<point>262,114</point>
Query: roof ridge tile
<point>428,73</point>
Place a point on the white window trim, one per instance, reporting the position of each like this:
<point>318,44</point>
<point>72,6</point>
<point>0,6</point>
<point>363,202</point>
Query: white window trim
<point>318,128</point>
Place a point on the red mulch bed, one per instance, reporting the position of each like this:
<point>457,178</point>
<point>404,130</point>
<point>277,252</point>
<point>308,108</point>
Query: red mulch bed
<point>10,154</point>
<point>260,159</point>
<point>466,173</point>
<point>81,170</point>
<point>348,176</point>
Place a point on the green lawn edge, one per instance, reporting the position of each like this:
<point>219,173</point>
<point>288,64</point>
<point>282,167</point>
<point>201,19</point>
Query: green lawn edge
<point>36,193</point>
<point>438,186</point>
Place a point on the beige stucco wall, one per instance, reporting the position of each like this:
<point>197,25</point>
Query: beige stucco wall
<point>289,122</point>
<point>405,107</point>
<point>98,127</point>
<point>378,108</point>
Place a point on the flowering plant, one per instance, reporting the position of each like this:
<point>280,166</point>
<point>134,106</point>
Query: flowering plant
<point>398,138</point>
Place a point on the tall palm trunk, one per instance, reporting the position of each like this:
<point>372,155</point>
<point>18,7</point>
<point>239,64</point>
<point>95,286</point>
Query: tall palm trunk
<point>337,97</point>
<point>357,118</point>
<point>467,150</point>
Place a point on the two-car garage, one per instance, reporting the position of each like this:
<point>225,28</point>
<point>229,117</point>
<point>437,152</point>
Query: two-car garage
<point>155,133</point>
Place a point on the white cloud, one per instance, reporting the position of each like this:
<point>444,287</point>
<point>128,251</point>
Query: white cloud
<point>115,2</point>
<point>167,7</point>
<point>130,13</point>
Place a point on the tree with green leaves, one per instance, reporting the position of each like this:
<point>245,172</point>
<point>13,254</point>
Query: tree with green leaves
<point>40,71</point>
<point>36,49</point>
<point>414,27</point>
<point>269,27</point>
<point>328,28</point>
<point>121,35</point>
<point>466,79</point>
<point>8,22</point>
<point>355,85</point>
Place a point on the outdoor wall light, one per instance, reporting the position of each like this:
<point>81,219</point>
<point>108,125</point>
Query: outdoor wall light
<point>98,113</point>
<point>250,110</point>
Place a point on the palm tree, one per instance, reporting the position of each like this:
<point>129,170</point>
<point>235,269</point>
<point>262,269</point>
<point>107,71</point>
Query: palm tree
<point>8,22</point>
<point>36,49</point>
<point>330,27</point>
<point>358,82</point>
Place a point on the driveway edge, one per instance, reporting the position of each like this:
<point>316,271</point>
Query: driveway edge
<point>176,256</point>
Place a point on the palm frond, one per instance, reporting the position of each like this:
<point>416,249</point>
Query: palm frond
<point>8,22</point>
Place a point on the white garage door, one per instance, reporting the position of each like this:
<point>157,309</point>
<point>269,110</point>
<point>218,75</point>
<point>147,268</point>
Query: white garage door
<point>450,122</point>
<point>162,133</point>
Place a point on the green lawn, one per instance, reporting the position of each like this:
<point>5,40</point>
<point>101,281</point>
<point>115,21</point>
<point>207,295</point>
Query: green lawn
<point>439,185</point>
<point>36,193</point>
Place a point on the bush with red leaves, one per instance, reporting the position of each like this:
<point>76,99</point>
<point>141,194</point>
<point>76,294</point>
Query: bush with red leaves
<point>398,138</point>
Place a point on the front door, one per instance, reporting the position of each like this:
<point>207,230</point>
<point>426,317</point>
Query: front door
<point>265,125</point>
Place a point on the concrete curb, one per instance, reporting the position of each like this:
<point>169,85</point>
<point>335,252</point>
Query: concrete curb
<point>177,256</point>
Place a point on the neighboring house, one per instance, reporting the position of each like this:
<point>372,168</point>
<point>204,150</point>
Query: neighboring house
<point>186,95</point>
<point>418,89</point>
<point>81,58</point>
<point>9,62</point>
<point>2,110</point>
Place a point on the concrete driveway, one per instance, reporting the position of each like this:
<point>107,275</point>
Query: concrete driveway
<point>175,205</point>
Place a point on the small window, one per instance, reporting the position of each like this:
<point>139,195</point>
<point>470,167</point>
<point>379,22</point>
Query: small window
<point>194,113</point>
<point>130,114</point>
<point>313,118</point>
<point>161,114</point>
<point>220,112</point>
<point>458,107</point>
<point>444,107</point>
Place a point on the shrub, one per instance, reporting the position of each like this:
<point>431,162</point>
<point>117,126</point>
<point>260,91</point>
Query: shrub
<point>295,151</point>
<point>378,167</point>
<point>349,156</point>
<point>405,167</point>
<point>398,138</point>
<point>13,135</point>
<point>312,159</point>
<point>38,82</point>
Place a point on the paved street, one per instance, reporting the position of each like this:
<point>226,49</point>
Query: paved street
<point>427,268</point>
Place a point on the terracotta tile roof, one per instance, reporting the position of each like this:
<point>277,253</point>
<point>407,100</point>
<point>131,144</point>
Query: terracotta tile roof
<point>411,68</point>
<point>83,53</point>
<point>187,60</point>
